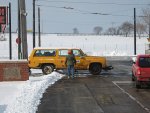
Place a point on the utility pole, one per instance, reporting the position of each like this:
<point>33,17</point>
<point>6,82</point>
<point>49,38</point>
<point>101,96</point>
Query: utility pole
<point>19,34</point>
<point>33,23</point>
<point>39,27</point>
<point>149,25</point>
<point>10,37</point>
<point>23,29</point>
<point>134,31</point>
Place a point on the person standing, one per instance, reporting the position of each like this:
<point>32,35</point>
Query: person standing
<point>70,62</point>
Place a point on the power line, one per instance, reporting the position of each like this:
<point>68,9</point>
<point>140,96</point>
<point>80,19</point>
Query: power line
<point>97,3</point>
<point>47,6</point>
<point>82,11</point>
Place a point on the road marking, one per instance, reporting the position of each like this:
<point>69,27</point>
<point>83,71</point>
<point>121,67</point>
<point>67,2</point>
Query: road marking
<point>124,82</point>
<point>133,98</point>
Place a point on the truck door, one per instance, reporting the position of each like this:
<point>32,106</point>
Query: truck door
<point>81,62</point>
<point>62,53</point>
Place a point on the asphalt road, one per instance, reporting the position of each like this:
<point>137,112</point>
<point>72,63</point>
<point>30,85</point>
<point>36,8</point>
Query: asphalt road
<point>110,92</point>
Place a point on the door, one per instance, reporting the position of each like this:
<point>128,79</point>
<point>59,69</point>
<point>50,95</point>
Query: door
<point>81,62</point>
<point>62,53</point>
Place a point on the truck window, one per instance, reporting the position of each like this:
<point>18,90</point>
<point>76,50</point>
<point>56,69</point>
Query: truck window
<point>50,52</point>
<point>63,52</point>
<point>76,52</point>
<point>144,62</point>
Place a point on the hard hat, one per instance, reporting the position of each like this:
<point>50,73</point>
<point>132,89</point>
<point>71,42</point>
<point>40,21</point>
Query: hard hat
<point>69,52</point>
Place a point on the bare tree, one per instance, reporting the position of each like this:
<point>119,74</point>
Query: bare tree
<point>97,30</point>
<point>126,28</point>
<point>140,28</point>
<point>119,31</point>
<point>146,19</point>
<point>75,31</point>
<point>111,31</point>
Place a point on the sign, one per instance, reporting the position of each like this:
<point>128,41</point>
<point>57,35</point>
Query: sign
<point>18,41</point>
<point>2,27</point>
<point>3,14</point>
<point>12,73</point>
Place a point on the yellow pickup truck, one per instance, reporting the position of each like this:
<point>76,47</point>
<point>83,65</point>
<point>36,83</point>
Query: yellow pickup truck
<point>49,59</point>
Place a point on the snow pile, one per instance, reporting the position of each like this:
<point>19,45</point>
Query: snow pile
<point>27,94</point>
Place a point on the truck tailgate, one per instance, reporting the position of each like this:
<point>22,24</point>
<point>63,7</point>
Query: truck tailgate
<point>145,72</point>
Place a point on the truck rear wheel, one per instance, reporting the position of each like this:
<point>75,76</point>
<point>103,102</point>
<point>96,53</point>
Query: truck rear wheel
<point>95,69</point>
<point>47,69</point>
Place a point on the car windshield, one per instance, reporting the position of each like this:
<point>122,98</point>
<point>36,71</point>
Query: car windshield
<point>144,62</point>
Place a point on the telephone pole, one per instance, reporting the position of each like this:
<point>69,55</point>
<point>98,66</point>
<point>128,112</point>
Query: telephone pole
<point>39,27</point>
<point>33,23</point>
<point>22,29</point>
<point>149,25</point>
<point>19,34</point>
<point>134,31</point>
<point>10,36</point>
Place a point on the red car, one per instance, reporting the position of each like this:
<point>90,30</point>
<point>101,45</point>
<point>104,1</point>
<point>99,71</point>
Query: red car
<point>141,70</point>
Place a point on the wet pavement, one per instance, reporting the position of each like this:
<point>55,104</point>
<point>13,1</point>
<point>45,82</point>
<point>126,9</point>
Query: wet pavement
<point>110,92</point>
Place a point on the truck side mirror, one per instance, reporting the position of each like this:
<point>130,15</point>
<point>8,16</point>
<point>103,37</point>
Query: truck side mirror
<point>133,60</point>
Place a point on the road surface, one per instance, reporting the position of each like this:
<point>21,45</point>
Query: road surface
<point>110,92</point>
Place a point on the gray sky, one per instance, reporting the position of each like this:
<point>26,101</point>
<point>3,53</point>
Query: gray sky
<point>56,18</point>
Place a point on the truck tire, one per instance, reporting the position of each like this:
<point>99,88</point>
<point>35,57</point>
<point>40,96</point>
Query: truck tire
<point>47,69</point>
<point>133,78</point>
<point>137,84</point>
<point>95,69</point>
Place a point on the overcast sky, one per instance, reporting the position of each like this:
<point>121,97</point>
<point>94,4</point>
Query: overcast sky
<point>61,16</point>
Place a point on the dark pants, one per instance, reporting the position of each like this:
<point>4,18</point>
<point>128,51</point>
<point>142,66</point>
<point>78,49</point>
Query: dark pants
<point>70,70</point>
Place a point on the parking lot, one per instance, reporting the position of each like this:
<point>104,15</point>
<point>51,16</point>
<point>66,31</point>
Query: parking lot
<point>111,92</point>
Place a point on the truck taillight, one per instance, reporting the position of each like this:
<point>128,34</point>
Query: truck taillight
<point>139,72</point>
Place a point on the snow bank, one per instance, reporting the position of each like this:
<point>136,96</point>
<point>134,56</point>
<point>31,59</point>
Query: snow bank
<point>27,94</point>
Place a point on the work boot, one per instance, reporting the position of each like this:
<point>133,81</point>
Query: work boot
<point>73,77</point>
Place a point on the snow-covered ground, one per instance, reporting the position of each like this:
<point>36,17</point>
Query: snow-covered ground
<point>24,96</point>
<point>94,45</point>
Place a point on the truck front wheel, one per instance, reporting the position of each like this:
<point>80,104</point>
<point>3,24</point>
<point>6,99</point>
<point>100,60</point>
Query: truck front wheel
<point>95,69</point>
<point>133,77</point>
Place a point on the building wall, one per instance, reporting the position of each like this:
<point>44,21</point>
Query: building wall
<point>14,70</point>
